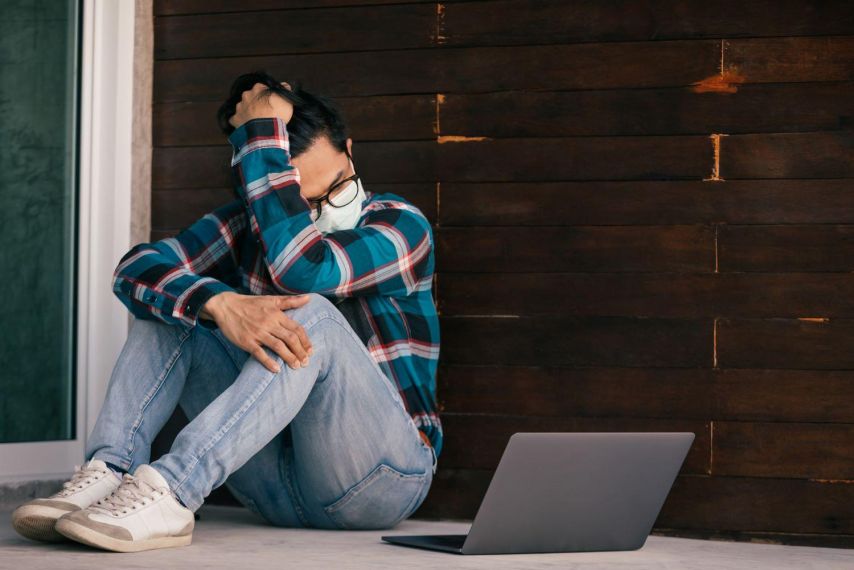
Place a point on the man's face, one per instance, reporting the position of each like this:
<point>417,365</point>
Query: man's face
<point>322,167</point>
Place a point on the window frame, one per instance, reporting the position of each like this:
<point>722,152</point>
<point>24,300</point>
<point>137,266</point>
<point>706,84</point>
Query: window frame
<point>104,115</point>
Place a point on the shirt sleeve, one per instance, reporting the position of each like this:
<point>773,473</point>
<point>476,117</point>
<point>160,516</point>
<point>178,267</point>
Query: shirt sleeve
<point>389,252</point>
<point>171,279</point>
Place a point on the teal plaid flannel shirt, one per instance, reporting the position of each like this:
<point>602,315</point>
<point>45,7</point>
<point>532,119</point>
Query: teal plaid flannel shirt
<point>380,273</point>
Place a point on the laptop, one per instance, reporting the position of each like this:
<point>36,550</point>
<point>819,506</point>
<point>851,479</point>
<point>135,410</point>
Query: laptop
<point>569,492</point>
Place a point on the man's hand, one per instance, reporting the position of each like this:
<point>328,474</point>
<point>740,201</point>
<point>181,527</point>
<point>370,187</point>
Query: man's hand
<point>261,103</point>
<point>253,321</point>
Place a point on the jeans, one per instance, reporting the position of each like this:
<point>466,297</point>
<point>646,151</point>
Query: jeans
<point>327,445</point>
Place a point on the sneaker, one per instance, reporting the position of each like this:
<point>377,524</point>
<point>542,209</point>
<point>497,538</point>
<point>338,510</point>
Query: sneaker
<point>89,483</point>
<point>143,513</point>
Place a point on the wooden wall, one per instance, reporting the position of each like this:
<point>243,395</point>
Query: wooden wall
<point>644,214</point>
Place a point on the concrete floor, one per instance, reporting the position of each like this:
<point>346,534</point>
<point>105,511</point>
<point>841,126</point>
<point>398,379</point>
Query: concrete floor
<point>229,537</point>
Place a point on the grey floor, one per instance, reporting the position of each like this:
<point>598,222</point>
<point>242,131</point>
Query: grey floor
<point>229,537</point>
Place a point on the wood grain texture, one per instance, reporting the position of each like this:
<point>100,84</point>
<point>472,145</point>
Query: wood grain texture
<point>574,66</point>
<point>750,395</point>
<point>751,108</point>
<point>642,213</point>
<point>789,155</point>
<point>797,450</point>
<point>554,21</point>
<point>577,341</point>
<point>660,294</point>
<point>644,202</point>
<point>187,7</point>
<point>799,506</point>
<point>578,249</point>
<point>196,200</point>
<point>385,118</point>
<point>345,29</point>
<point>826,247</point>
<point>478,441</point>
<point>812,342</point>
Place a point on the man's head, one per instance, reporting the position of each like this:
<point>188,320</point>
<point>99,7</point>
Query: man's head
<point>320,143</point>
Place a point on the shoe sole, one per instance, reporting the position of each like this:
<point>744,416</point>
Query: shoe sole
<point>38,528</point>
<point>90,537</point>
<point>31,523</point>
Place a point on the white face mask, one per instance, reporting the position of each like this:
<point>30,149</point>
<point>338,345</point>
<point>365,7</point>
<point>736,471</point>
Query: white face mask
<point>333,219</point>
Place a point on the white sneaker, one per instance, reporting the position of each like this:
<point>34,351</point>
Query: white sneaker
<point>141,514</point>
<point>89,483</point>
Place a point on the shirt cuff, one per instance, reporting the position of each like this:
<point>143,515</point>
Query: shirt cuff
<point>189,311</point>
<point>256,134</point>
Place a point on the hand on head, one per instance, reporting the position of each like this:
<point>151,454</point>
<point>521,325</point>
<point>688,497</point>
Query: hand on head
<point>260,103</point>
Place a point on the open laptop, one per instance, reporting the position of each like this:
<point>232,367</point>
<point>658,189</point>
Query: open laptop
<point>570,492</point>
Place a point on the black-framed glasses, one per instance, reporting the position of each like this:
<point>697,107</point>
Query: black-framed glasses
<point>344,192</point>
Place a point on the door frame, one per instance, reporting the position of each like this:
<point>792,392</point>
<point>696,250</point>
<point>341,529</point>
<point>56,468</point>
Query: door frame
<point>103,229</point>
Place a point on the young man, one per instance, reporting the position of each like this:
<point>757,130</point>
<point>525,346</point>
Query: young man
<point>295,326</point>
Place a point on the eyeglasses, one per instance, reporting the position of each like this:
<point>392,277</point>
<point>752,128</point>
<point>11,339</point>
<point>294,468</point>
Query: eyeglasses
<point>341,194</point>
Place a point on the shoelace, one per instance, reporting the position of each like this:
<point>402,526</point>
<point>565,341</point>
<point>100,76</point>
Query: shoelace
<point>131,493</point>
<point>81,476</point>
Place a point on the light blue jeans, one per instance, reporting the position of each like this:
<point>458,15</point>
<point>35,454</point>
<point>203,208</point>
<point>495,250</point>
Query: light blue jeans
<point>328,445</point>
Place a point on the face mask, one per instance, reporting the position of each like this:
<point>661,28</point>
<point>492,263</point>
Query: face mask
<point>333,219</point>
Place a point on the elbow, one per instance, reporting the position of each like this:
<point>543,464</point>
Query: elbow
<point>291,282</point>
<point>300,275</point>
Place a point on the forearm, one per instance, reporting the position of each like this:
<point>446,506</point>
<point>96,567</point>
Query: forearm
<point>268,184</point>
<point>171,279</point>
<point>387,253</point>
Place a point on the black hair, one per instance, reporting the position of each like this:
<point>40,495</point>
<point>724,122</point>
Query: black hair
<point>314,115</point>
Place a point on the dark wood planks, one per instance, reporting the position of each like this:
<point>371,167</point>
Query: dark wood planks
<point>477,442</point>
<point>577,341</point>
<point>508,22</point>
<point>614,293</point>
<point>751,108</point>
<point>804,451</point>
<point>572,66</point>
<point>190,7</point>
<point>751,395</point>
<point>812,342</point>
<point>695,502</point>
<point>405,117</point>
<point>578,249</point>
<point>789,155</point>
<point>642,212</point>
<point>195,200</point>
<point>345,29</point>
<point>826,247</point>
<point>642,202</point>
<point>575,66</point>
<point>515,22</point>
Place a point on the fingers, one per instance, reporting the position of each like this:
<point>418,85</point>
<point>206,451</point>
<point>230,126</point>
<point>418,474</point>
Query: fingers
<point>288,347</point>
<point>292,301</point>
<point>238,113</point>
<point>257,88</point>
<point>295,328</point>
<point>262,356</point>
<point>294,337</point>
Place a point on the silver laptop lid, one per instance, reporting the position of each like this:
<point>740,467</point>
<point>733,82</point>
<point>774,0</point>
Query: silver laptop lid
<point>564,492</point>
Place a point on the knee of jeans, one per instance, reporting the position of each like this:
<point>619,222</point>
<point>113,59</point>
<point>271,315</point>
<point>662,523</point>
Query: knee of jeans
<point>317,305</point>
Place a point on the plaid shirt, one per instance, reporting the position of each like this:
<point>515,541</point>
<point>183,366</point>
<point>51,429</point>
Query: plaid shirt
<point>379,274</point>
